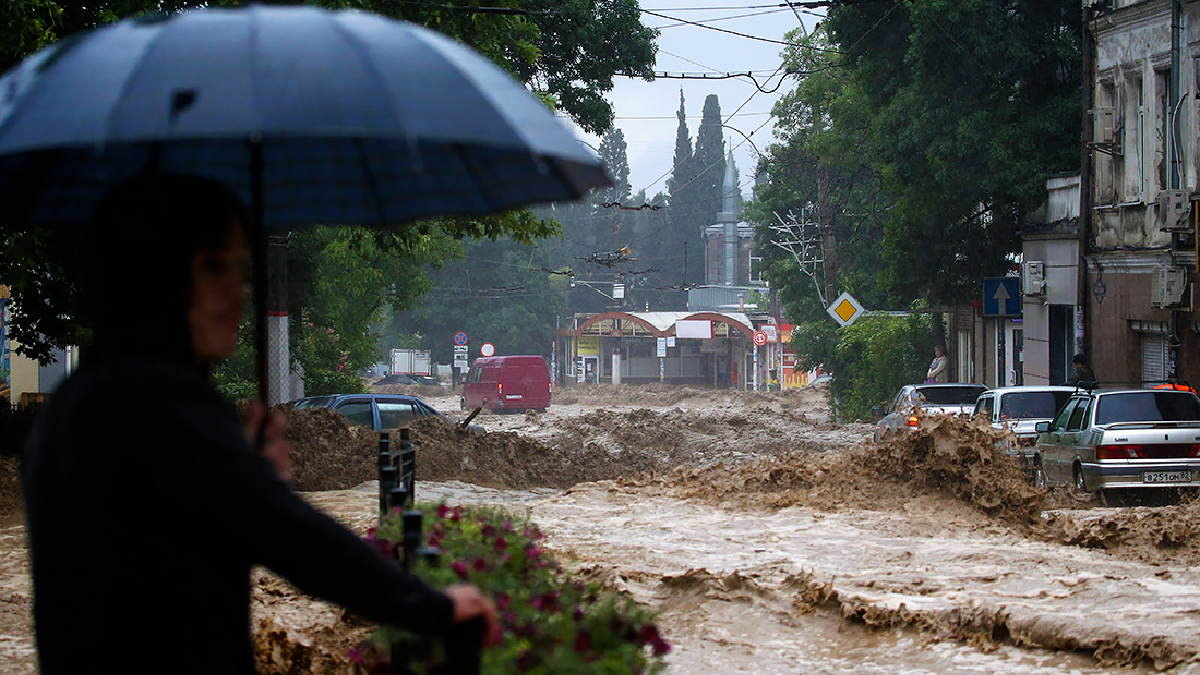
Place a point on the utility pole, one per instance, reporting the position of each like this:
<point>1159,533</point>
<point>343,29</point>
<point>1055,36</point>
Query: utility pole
<point>825,225</point>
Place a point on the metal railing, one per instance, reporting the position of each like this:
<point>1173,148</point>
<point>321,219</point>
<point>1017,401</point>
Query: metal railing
<point>397,490</point>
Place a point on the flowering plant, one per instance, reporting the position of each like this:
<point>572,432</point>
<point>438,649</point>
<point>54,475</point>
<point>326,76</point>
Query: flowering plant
<point>550,623</point>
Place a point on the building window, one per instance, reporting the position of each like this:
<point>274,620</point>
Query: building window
<point>1135,109</point>
<point>1162,128</point>
<point>756,265</point>
<point>1108,172</point>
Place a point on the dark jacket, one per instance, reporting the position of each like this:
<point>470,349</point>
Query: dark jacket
<point>147,508</point>
<point>1082,373</point>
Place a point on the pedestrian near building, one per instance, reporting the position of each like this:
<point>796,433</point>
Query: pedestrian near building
<point>937,368</point>
<point>1082,372</point>
<point>143,534</point>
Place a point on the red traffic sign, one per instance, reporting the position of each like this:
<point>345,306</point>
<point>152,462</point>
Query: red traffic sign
<point>487,349</point>
<point>460,338</point>
<point>760,338</point>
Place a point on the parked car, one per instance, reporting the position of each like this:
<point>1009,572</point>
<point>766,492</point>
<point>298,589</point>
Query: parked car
<point>406,378</point>
<point>1134,438</point>
<point>1019,409</point>
<point>507,383</point>
<point>925,399</point>
<point>375,411</point>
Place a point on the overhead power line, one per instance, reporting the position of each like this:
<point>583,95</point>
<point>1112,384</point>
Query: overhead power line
<point>733,32</point>
<point>725,18</point>
<point>799,5</point>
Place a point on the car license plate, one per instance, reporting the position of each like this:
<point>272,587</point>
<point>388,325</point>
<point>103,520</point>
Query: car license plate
<point>1166,476</point>
<point>513,396</point>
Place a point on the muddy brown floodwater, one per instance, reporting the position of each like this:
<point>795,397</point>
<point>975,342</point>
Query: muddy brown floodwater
<point>770,539</point>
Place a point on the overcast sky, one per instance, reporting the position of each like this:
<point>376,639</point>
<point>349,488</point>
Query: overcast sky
<point>645,111</point>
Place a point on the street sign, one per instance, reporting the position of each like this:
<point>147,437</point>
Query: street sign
<point>662,347</point>
<point>460,338</point>
<point>1001,296</point>
<point>771,330</point>
<point>461,364</point>
<point>487,349</point>
<point>460,349</point>
<point>845,310</point>
<point>760,338</point>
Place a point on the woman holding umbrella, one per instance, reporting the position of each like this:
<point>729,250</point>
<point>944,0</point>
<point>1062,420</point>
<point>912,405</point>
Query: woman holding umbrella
<point>144,527</point>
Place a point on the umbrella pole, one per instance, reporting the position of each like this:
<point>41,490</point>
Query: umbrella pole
<point>258,241</point>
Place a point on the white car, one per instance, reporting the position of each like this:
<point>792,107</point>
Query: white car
<point>927,399</point>
<point>1019,409</point>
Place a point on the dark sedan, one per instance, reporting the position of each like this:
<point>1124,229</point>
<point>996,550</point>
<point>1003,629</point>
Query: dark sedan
<point>374,411</point>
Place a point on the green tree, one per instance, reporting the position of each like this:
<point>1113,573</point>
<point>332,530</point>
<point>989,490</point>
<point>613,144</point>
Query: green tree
<point>710,168</point>
<point>870,359</point>
<point>683,188</point>
<point>971,105</point>
<point>493,295</point>
<point>820,123</point>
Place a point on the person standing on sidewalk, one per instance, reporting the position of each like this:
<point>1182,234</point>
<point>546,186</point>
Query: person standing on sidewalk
<point>937,368</point>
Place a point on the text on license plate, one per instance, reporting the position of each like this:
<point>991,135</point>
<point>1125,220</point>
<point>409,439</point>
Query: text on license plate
<point>1166,476</point>
<point>513,396</point>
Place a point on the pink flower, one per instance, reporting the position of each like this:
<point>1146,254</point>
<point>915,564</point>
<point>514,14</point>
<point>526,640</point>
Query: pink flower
<point>648,634</point>
<point>354,655</point>
<point>549,601</point>
<point>488,531</point>
<point>442,510</point>
<point>456,515</point>
<point>532,552</point>
<point>502,601</point>
<point>460,568</point>
<point>479,565</point>
<point>583,640</point>
<point>500,545</point>
<point>578,614</point>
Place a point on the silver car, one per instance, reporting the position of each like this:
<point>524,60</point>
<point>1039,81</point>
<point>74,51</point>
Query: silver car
<point>1019,409</point>
<point>915,400</point>
<point>1137,438</point>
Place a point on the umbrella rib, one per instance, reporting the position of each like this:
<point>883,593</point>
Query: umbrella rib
<point>133,75</point>
<point>372,185</point>
<point>369,67</point>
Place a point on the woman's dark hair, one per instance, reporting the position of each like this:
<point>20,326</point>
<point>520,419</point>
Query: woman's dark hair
<point>139,250</point>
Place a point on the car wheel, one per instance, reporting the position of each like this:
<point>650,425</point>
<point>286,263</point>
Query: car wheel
<point>462,403</point>
<point>1039,475</point>
<point>1080,482</point>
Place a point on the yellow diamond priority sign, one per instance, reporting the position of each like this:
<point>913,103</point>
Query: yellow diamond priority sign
<point>845,310</point>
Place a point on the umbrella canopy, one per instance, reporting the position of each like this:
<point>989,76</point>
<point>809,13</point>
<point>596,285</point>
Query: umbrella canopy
<point>312,116</point>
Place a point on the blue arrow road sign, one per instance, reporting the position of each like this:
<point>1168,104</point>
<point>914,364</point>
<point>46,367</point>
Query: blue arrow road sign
<point>1001,296</point>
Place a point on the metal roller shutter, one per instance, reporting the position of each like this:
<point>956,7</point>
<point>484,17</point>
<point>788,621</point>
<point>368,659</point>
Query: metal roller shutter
<point>1154,357</point>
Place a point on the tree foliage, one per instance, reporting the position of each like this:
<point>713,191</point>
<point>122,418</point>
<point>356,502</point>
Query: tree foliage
<point>871,358</point>
<point>492,294</point>
<point>697,174</point>
<point>971,105</point>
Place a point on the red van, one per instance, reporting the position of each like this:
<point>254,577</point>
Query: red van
<point>507,383</point>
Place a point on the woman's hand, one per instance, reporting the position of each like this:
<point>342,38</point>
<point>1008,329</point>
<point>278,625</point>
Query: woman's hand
<point>268,437</point>
<point>469,604</point>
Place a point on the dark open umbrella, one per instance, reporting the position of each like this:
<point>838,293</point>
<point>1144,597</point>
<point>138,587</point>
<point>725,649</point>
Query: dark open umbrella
<point>311,116</point>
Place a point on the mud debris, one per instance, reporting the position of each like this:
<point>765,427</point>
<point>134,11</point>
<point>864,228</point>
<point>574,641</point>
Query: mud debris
<point>959,458</point>
<point>1159,535</point>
